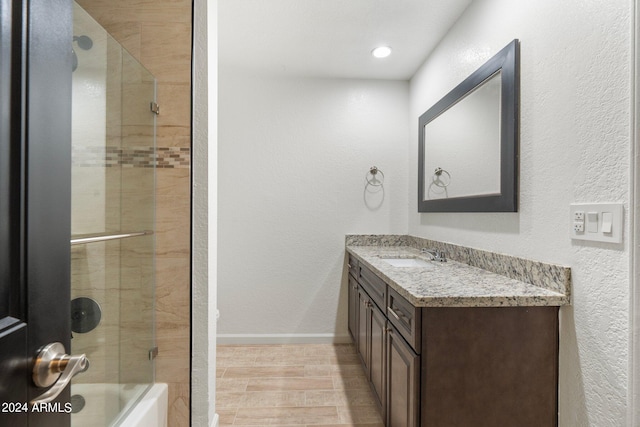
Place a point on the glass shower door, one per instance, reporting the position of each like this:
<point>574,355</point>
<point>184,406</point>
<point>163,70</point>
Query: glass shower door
<point>113,221</point>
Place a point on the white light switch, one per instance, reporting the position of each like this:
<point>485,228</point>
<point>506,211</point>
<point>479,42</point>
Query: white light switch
<point>607,222</point>
<point>592,222</point>
<point>602,222</point>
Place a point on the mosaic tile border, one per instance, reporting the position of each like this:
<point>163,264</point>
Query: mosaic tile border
<point>136,157</point>
<point>549,276</point>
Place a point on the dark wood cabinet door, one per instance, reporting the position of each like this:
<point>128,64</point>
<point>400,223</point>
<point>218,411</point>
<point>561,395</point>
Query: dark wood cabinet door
<point>377,354</point>
<point>403,382</point>
<point>363,332</point>
<point>353,309</point>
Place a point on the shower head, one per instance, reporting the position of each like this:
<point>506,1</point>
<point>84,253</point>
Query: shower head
<point>84,42</point>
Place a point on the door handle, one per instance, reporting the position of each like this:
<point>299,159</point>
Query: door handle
<point>54,367</point>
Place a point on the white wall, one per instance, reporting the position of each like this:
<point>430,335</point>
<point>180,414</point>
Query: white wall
<point>293,155</point>
<point>204,214</point>
<point>575,145</point>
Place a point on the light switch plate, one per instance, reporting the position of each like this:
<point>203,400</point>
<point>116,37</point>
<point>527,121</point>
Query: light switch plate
<point>616,211</point>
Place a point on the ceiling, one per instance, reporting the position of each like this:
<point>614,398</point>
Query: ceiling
<point>333,38</point>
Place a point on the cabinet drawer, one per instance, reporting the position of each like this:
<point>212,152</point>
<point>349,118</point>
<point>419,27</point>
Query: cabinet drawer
<point>352,265</point>
<point>375,287</point>
<point>406,318</point>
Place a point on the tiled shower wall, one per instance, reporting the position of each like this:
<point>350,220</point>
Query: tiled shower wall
<point>158,34</point>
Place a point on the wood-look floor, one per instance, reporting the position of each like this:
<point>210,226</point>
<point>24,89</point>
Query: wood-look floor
<point>320,385</point>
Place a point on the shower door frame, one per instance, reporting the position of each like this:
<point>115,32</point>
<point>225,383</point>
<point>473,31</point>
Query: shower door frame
<point>35,195</point>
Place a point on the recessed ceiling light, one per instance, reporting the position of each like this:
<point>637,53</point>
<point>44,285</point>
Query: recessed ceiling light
<point>381,52</point>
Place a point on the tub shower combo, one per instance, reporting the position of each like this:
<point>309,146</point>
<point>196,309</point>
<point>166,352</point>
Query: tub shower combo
<point>113,241</point>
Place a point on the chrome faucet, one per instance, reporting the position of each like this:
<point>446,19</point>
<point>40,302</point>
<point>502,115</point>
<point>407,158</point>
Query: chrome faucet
<point>436,255</point>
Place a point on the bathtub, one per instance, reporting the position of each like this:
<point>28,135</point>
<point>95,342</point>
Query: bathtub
<point>126,405</point>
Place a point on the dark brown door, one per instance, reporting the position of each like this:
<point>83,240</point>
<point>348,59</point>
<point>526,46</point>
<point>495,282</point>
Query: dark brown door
<point>403,380</point>
<point>353,309</point>
<point>378,326</point>
<point>35,182</point>
<point>363,331</point>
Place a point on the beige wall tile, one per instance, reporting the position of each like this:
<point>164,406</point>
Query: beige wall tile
<point>172,369</point>
<point>128,35</point>
<point>171,282</point>
<point>110,12</point>
<point>173,136</point>
<point>172,290</point>
<point>172,340</point>
<point>137,135</point>
<point>175,104</point>
<point>178,405</point>
<point>172,224</point>
<point>173,182</point>
<point>136,98</point>
<point>167,50</point>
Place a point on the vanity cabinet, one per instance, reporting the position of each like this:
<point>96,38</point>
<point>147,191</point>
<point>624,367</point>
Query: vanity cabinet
<point>390,363</point>
<point>455,366</point>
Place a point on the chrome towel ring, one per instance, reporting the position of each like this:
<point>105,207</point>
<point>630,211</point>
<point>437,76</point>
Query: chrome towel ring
<point>437,178</point>
<point>372,177</point>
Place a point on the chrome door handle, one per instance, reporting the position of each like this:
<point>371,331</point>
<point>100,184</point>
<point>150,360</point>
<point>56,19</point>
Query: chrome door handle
<point>54,367</point>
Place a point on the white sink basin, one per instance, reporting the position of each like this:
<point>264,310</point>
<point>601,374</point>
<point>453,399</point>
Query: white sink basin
<point>407,262</point>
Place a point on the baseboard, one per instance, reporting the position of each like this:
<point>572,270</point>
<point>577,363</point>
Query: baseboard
<point>215,421</point>
<point>283,339</point>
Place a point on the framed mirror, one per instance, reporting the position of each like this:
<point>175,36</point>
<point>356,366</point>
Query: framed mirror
<point>468,142</point>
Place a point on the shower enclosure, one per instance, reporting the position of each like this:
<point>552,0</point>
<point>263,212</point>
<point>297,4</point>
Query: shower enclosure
<point>113,220</point>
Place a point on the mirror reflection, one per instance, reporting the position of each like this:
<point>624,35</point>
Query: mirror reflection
<point>462,145</point>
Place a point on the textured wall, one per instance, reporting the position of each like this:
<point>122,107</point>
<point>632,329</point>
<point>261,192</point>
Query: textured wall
<point>158,34</point>
<point>203,385</point>
<point>293,154</point>
<point>575,100</point>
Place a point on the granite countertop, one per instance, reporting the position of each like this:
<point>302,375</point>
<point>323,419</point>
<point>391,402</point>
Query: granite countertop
<point>452,283</point>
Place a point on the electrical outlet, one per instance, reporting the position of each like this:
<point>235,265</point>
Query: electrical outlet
<point>600,222</point>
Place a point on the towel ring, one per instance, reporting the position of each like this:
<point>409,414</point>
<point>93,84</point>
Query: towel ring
<point>373,180</point>
<point>437,178</point>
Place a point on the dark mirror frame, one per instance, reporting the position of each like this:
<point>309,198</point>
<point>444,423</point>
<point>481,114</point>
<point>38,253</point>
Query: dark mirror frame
<point>507,61</point>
